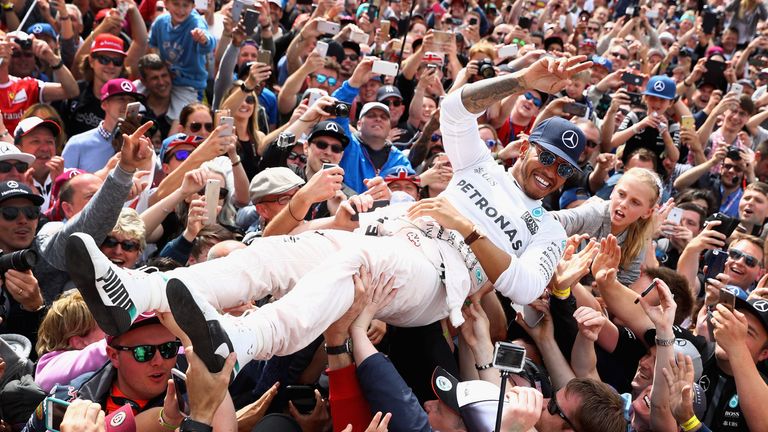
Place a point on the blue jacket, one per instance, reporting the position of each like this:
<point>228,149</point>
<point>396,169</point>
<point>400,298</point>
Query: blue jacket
<point>176,47</point>
<point>355,162</point>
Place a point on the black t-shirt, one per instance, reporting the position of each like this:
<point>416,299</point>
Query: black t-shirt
<point>723,408</point>
<point>617,368</point>
<point>378,157</point>
<point>82,113</point>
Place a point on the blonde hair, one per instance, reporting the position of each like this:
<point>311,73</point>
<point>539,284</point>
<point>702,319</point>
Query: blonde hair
<point>483,47</point>
<point>130,224</point>
<point>639,231</point>
<point>68,316</point>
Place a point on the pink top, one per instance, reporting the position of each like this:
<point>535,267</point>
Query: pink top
<point>61,367</point>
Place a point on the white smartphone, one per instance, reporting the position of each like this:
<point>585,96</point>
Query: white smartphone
<point>321,48</point>
<point>229,122</point>
<point>212,188</point>
<point>328,27</point>
<point>531,316</point>
<point>201,5</point>
<point>736,88</point>
<point>562,21</point>
<point>675,215</point>
<point>314,96</point>
<point>508,51</point>
<point>122,8</point>
<point>237,9</point>
<point>132,111</point>
<point>382,67</point>
<point>358,37</point>
<point>652,14</point>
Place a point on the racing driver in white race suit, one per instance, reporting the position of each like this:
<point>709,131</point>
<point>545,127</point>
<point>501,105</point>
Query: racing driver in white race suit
<point>487,226</point>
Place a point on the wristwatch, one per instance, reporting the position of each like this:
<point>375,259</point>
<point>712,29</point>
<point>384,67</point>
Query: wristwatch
<point>345,348</point>
<point>189,425</point>
<point>474,236</point>
<point>245,88</point>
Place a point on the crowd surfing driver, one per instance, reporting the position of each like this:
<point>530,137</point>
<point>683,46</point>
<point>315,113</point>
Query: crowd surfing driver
<point>485,216</point>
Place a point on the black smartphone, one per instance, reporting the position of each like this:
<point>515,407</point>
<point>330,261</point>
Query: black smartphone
<point>473,21</point>
<point>302,397</point>
<point>632,79</point>
<point>180,383</point>
<point>727,299</point>
<point>727,223</point>
<point>715,263</point>
<point>250,21</point>
<point>373,9</point>
<point>524,22</point>
<point>635,99</point>
<point>376,204</point>
<point>576,109</point>
<point>709,21</point>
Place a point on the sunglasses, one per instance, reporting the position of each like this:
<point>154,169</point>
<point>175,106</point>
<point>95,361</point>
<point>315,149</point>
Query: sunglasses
<point>593,28</point>
<point>282,200</point>
<point>547,158</point>
<point>490,143</point>
<point>250,100</point>
<point>179,155</point>
<point>352,57</point>
<point>519,42</point>
<point>620,55</point>
<point>104,60</point>
<point>749,260</point>
<point>435,137</point>
<point>323,78</point>
<point>292,156</point>
<point>127,245</point>
<point>536,101</point>
<point>5,167</point>
<point>727,166</point>
<point>223,192</point>
<point>394,103</point>
<point>591,144</point>
<point>322,145</point>
<point>25,54</point>
<point>554,409</point>
<point>145,353</point>
<point>196,126</point>
<point>10,214</point>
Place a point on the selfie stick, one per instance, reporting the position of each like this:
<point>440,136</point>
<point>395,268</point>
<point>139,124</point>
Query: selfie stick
<point>504,376</point>
<point>29,12</point>
<point>402,45</point>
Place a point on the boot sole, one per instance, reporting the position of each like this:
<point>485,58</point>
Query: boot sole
<point>206,336</point>
<point>113,320</point>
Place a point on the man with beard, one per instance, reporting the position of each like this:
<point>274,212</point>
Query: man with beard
<point>725,182</point>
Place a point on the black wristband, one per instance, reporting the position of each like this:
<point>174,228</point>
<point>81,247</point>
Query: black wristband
<point>58,65</point>
<point>189,425</point>
<point>245,88</point>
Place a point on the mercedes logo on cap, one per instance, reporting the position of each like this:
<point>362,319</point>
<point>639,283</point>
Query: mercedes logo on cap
<point>658,86</point>
<point>126,86</point>
<point>332,127</point>
<point>12,184</point>
<point>761,305</point>
<point>37,28</point>
<point>570,139</point>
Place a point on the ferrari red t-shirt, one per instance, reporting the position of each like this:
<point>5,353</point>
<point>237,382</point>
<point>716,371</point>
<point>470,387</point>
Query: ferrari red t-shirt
<point>16,96</point>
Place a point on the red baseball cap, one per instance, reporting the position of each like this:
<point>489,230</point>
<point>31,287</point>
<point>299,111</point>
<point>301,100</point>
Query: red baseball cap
<point>106,42</point>
<point>118,86</point>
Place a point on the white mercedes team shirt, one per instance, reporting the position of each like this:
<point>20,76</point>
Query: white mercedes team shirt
<point>484,192</point>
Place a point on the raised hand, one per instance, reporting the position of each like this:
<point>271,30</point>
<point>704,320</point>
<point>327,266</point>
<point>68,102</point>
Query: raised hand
<point>551,75</point>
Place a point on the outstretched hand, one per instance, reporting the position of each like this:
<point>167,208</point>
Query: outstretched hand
<point>550,75</point>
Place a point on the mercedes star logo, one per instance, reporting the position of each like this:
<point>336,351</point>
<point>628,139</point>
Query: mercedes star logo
<point>11,184</point>
<point>332,127</point>
<point>570,139</point>
<point>126,86</point>
<point>761,305</point>
<point>658,86</point>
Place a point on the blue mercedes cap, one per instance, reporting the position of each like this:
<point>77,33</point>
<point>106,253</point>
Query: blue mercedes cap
<point>661,86</point>
<point>42,29</point>
<point>602,61</point>
<point>561,137</point>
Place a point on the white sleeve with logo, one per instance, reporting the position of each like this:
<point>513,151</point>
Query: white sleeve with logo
<point>461,138</point>
<point>485,193</point>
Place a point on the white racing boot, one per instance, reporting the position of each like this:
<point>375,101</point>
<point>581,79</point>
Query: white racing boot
<point>213,335</point>
<point>115,296</point>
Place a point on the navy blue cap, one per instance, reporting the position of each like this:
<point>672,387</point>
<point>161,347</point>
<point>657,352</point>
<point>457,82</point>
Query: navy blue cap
<point>329,128</point>
<point>661,86</point>
<point>756,306</point>
<point>602,61</point>
<point>401,172</point>
<point>561,137</point>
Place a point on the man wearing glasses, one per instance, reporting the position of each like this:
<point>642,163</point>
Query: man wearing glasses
<point>13,163</point>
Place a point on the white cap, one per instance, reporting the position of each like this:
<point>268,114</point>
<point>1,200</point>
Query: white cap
<point>667,35</point>
<point>9,151</point>
<point>373,105</point>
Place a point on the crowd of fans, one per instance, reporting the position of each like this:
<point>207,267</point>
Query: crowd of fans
<point>307,111</point>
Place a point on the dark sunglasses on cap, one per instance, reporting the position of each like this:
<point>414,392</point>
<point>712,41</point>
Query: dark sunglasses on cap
<point>250,100</point>
<point>322,145</point>
<point>10,213</point>
<point>301,157</point>
<point>547,158</point>
<point>179,155</point>
<point>749,260</point>
<point>323,78</point>
<point>554,409</point>
<point>223,192</point>
<point>196,126</point>
<point>145,353</point>
<point>5,167</point>
<point>104,60</point>
<point>536,101</point>
<point>127,245</point>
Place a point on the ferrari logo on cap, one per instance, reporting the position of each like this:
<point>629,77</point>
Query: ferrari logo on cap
<point>570,139</point>
<point>126,86</point>
<point>658,86</point>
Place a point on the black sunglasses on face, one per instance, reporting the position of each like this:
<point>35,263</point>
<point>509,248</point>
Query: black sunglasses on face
<point>5,167</point>
<point>10,214</point>
<point>104,60</point>
<point>127,245</point>
<point>145,353</point>
<point>322,145</point>
<point>179,155</point>
<point>394,103</point>
<point>749,260</point>
<point>547,158</point>
<point>223,192</point>
<point>196,126</point>
<point>301,157</point>
<point>250,100</point>
<point>352,57</point>
<point>554,409</point>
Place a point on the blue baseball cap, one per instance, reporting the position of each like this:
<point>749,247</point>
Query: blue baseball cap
<point>660,86</point>
<point>176,140</point>
<point>602,61</point>
<point>39,29</point>
<point>401,172</point>
<point>561,137</point>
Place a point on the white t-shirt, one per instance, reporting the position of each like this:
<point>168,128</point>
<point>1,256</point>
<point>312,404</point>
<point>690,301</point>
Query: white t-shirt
<point>482,191</point>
